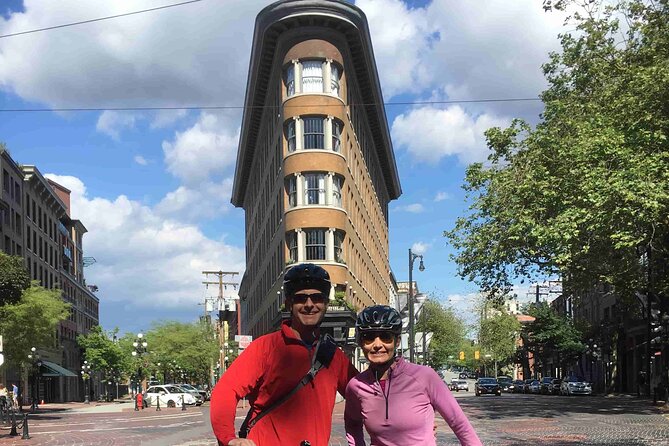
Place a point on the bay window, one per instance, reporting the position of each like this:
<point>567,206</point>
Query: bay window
<point>291,191</point>
<point>315,244</point>
<point>314,188</point>
<point>313,76</point>
<point>290,136</point>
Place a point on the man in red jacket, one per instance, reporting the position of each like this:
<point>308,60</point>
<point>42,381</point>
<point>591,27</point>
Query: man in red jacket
<point>273,365</point>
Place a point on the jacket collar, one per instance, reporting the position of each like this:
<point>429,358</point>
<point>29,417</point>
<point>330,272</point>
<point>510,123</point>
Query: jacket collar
<point>290,336</point>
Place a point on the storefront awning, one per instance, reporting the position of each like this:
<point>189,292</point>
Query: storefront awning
<point>52,369</point>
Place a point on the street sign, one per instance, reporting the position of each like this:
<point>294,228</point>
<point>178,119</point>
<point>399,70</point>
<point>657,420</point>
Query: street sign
<point>243,340</point>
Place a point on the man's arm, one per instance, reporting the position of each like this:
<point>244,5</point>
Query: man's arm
<point>345,373</point>
<point>238,381</point>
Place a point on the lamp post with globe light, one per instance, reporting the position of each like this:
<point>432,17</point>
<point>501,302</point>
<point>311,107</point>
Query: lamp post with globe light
<point>86,376</point>
<point>140,346</point>
<point>410,299</point>
<point>36,365</point>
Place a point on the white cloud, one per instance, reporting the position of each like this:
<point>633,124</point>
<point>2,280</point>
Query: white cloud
<point>419,248</point>
<point>414,208</point>
<point>441,196</point>
<point>165,118</point>
<point>430,134</point>
<point>471,50</point>
<point>207,200</point>
<point>188,55</point>
<point>203,150</point>
<point>402,39</point>
<point>139,159</point>
<point>143,259</point>
<point>112,122</point>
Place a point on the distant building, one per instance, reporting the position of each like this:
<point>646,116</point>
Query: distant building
<point>36,225</point>
<point>315,169</point>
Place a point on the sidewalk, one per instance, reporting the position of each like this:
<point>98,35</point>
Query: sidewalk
<point>79,407</point>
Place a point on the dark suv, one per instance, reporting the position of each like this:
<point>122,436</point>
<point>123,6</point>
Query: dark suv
<point>487,386</point>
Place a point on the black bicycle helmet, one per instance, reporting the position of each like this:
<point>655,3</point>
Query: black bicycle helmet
<point>305,276</point>
<point>378,318</point>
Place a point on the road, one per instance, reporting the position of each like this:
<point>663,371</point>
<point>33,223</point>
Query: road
<point>507,420</point>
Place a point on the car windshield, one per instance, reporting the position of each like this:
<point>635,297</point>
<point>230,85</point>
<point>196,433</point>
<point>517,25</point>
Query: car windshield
<point>575,379</point>
<point>546,380</point>
<point>173,389</point>
<point>504,380</point>
<point>460,381</point>
<point>487,381</point>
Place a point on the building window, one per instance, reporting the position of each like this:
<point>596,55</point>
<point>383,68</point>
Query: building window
<point>337,182</point>
<point>334,79</point>
<point>314,136</point>
<point>290,136</point>
<point>314,188</point>
<point>312,76</point>
<point>291,190</point>
<point>291,241</point>
<point>336,135</point>
<point>290,80</point>
<point>315,244</point>
<point>338,243</point>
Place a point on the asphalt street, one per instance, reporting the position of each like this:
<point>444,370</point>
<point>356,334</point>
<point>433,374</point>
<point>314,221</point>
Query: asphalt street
<point>511,419</point>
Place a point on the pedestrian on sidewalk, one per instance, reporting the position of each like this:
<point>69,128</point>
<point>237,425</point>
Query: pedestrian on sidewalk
<point>273,365</point>
<point>15,395</point>
<point>395,400</point>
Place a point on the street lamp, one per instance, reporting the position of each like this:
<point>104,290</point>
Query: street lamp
<point>410,298</point>
<point>86,375</point>
<point>36,365</point>
<point>140,345</point>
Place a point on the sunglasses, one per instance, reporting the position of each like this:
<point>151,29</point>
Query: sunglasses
<point>317,298</point>
<point>385,336</point>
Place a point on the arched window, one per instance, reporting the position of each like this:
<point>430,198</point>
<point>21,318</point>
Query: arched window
<point>312,76</point>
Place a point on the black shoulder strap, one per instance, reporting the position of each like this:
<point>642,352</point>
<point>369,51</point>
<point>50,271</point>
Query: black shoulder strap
<point>325,351</point>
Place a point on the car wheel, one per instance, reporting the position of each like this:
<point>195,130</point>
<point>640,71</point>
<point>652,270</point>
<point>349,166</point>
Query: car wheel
<point>499,394</point>
<point>171,403</point>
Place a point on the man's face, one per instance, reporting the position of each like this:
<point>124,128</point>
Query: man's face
<point>307,307</point>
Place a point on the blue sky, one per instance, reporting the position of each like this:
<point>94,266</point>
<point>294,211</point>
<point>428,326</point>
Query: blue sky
<point>153,188</point>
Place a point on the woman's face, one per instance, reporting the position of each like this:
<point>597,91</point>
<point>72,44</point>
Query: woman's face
<point>378,346</point>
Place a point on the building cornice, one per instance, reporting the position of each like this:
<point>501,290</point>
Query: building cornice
<point>350,23</point>
<point>44,189</point>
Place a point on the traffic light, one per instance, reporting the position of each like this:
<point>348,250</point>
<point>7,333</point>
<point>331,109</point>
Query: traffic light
<point>477,354</point>
<point>462,356</point>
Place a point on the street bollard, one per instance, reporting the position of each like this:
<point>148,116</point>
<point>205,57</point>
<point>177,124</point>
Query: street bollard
<point>26,435</point>
<point>158,403</point>
<point>136,407</point>
<point>13,432</point>
<point>183,402</point>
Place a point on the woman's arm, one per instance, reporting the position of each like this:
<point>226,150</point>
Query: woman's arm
<point>353,418</point>
<point>443,402</point>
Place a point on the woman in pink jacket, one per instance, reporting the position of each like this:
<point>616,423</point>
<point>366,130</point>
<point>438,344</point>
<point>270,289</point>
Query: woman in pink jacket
<point>394,399</point>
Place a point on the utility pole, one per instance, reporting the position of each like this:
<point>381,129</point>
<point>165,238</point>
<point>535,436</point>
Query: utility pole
<point>223,324</point>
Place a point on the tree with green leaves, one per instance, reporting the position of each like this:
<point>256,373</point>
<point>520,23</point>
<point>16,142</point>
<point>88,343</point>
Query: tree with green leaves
<point>191,348</point>
<point>448,332</point>
<point>14,278</point>
<point>105,355</point>
<point>31,322</point>
<point>552,335</point>
<point>497,337</point>
<point>585,193</point>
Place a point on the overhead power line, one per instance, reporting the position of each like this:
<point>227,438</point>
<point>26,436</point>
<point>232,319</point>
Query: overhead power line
<point>65,25</point>
<point>239,107</point>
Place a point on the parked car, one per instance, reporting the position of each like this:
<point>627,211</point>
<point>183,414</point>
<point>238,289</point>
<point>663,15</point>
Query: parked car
<point>459,384</point>
<point>463,375</point>
<point>526,385</point>
<point>518,386</point>
<point>545,385</point>
<point>472,375</point>
<point>575,385</point>
<point>555,386</point>
<point>206,393</point>
<point>487,386</point>
<point>193,391</point>
<point>506,383</point>
<point>535,386</point>
<point>169,395</point>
